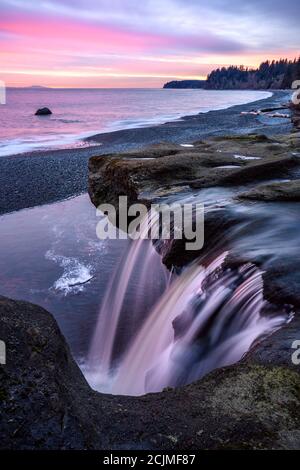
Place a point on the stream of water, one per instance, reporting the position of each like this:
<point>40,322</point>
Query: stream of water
<point>133,326</point>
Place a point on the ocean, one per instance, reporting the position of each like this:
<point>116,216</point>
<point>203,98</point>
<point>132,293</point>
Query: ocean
<point>80,113</point>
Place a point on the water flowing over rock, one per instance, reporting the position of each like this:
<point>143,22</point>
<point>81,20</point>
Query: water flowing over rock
<point>223,161</point>
<point>141,260</point>
<point>205,319</point>
<point>223,306</point>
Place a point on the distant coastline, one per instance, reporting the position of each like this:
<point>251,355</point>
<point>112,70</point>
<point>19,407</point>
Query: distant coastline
<point>181,84</point>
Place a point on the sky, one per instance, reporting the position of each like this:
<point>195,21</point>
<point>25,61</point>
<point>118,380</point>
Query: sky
<point>139,43</point>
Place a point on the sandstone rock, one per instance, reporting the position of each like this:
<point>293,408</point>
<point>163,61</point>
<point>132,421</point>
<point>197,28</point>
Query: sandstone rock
<point>111,176</point>
<point>285,191</point>
<point>270,166</point>
<point>145,174</point>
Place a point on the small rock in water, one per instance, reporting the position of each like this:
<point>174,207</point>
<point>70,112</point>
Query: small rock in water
<point>43,112</point>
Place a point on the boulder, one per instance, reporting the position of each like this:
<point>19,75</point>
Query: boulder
<point>277,349</point>
<point>156,171</point>
<point>43,112</point>
<point>142,175</point>
<point>45,400</point>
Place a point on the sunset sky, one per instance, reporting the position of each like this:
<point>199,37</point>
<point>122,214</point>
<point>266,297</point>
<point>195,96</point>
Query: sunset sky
<point>139,43</point>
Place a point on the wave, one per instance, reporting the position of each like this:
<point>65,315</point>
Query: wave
<point>19,146</point>
<point>75,275</point>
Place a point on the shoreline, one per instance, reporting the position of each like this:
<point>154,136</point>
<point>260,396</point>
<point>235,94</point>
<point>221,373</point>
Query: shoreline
<point>81,138</point>
<point>42,177</point>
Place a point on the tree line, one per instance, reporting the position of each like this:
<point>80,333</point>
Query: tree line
<point>273,74</point>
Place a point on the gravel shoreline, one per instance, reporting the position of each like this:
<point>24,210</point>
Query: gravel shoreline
<point>42,177</point>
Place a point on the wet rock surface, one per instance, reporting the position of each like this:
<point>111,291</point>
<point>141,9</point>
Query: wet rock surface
<point>219,225</point>
<point>41,387</point>
<point>295,109</point>
<point>285,191</point>
<point>227,161</point>
<point>46,403</point>
<point>278,348</point>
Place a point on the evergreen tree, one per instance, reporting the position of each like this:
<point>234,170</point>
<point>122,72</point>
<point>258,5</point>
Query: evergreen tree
<point>269,75</point>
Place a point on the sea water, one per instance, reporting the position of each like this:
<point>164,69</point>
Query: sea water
<point>80,113</point>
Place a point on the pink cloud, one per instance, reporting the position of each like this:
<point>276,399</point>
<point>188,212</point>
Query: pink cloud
<point>65,32</point>
<point>62,51</point>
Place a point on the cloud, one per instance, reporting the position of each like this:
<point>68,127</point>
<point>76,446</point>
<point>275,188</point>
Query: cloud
<point>178,38</point>
<point>110,37</point>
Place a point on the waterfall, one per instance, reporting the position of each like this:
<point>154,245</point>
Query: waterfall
<point>207,317</point>
<point>144,263</point>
